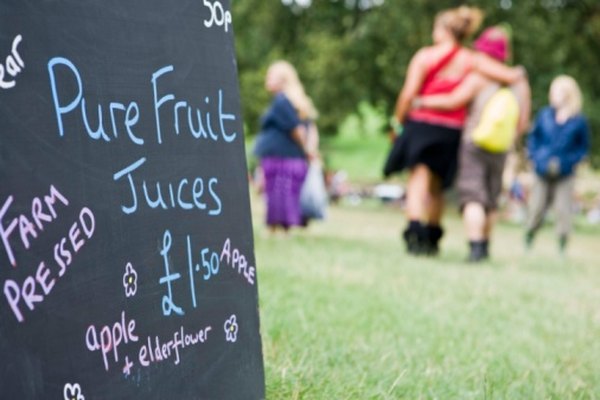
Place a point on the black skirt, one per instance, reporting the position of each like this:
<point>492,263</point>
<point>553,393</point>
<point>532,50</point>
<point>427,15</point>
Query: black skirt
<point>432,145</point>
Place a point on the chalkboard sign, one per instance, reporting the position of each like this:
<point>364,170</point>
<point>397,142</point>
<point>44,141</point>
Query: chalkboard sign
<point>126,248</point>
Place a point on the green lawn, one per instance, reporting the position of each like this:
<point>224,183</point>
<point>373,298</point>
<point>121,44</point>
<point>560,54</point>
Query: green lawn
<point>361,158</point>
<point>346,314</point>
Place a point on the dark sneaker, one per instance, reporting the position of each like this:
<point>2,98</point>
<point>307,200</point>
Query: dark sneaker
<point>477,251</point>
<point>433,235</point>
<point>413,242</point>
<point>415,237</point>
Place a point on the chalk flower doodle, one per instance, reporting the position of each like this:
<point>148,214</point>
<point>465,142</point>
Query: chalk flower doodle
<point>130,281</point>
<point>231,329</point>
<point>72,392</point>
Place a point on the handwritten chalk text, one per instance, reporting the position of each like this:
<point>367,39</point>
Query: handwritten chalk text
<point>184,194</point>
<point>109,338</point>
<point>218,15</point>
<point>200,123</point>
<point>13,66</point>
<point>27,230</point>
<point>35,288</point>
<point>157,351</point>
<point>238,262</point>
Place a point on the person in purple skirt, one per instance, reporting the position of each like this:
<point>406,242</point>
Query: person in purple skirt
<point>283,146</point>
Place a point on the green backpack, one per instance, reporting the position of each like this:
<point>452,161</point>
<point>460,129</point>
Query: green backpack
<point>497,126</point>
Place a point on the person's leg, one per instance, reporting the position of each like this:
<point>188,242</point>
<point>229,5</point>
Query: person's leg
<point>473,195</point>
<point>435,203</point>
<point>296,171</point>
<point>435,210</point>
<point>490,220</point>
<point>494,169</point>
<point>538,203</point>
<point>475,219</point>
<point>563,203</point>
<point>272,202</point>
<point>416,207</point>
<point>417,192</point>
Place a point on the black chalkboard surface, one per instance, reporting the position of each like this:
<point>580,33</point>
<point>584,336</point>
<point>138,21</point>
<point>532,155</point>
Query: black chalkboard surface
<point>126,249</point>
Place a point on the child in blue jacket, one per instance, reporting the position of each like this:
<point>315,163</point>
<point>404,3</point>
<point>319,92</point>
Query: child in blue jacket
<point>557,143</point>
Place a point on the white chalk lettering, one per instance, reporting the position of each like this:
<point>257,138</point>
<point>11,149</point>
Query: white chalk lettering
<point>237,261</point>
<point>35,288</point>
<point>27,229</point>
<point>13,65</point>
<point>110,338</point>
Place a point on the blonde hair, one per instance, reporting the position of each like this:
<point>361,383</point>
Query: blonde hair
<point>461,21</point>
<point>573,99</point>
<point>293,89</point>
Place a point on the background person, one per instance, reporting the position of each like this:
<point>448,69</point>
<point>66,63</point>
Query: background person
<point>430,139</point>
<point>282,146</point>
<point>480,168</point>
<point>558,142</point>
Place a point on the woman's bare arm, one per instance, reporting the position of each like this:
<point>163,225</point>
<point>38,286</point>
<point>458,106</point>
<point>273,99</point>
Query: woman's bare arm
<point>497,71</point>
<point>412,84</point>
<point>523,93</point>
<point>459,97</point>
<point>299,134</point>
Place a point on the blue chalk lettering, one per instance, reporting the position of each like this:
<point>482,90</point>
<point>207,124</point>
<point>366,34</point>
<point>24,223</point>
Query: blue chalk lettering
<point>164,99</point>
<point>183,204</point>
<point>131,121</point>
<point>60,110</point>
<point>200,132</point>
<point>172,195</point>
<point>191,270</point>
<point>215,197</point>
<point>99,133</point>
<point>127,171</point>
<point>178,105</point>
<point>210,131</point>
<point>225,117</point>
<point>197,193</point>
<point>159,198</point>
<point>168,306</point>
<point>112,107</point>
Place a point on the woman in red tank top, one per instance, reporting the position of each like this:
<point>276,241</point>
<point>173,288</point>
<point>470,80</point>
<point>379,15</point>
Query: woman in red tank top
<point>428,145</point>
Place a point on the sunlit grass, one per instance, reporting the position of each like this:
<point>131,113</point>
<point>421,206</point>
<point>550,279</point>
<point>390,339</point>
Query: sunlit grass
<point>362,158</point>
<point>347,315</point>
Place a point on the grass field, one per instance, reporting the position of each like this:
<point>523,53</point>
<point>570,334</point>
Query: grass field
<point>346,314</point>
<point>362,159</point>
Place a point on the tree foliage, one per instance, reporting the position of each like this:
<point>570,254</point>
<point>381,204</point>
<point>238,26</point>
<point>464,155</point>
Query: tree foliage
<point>352,51</point>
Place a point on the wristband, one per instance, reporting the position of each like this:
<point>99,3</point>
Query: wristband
<point>396,126</point>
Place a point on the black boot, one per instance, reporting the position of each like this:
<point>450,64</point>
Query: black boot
<point>486,251</point>
<point>478,251</point>
<point>414,237</point>
<point>434,234</point>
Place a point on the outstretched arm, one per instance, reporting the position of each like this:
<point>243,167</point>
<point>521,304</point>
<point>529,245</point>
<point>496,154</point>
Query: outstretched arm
<point>497,71</point>
<point>459,97</point>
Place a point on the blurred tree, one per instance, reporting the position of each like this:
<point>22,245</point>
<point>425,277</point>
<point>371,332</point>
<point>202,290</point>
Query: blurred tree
<point>348,51</point>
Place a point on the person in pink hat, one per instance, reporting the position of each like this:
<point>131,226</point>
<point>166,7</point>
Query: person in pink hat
<point>483,151</point>
<point>426,141</point>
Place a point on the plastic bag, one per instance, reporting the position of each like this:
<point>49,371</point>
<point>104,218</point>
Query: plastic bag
<point>313,196</point>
